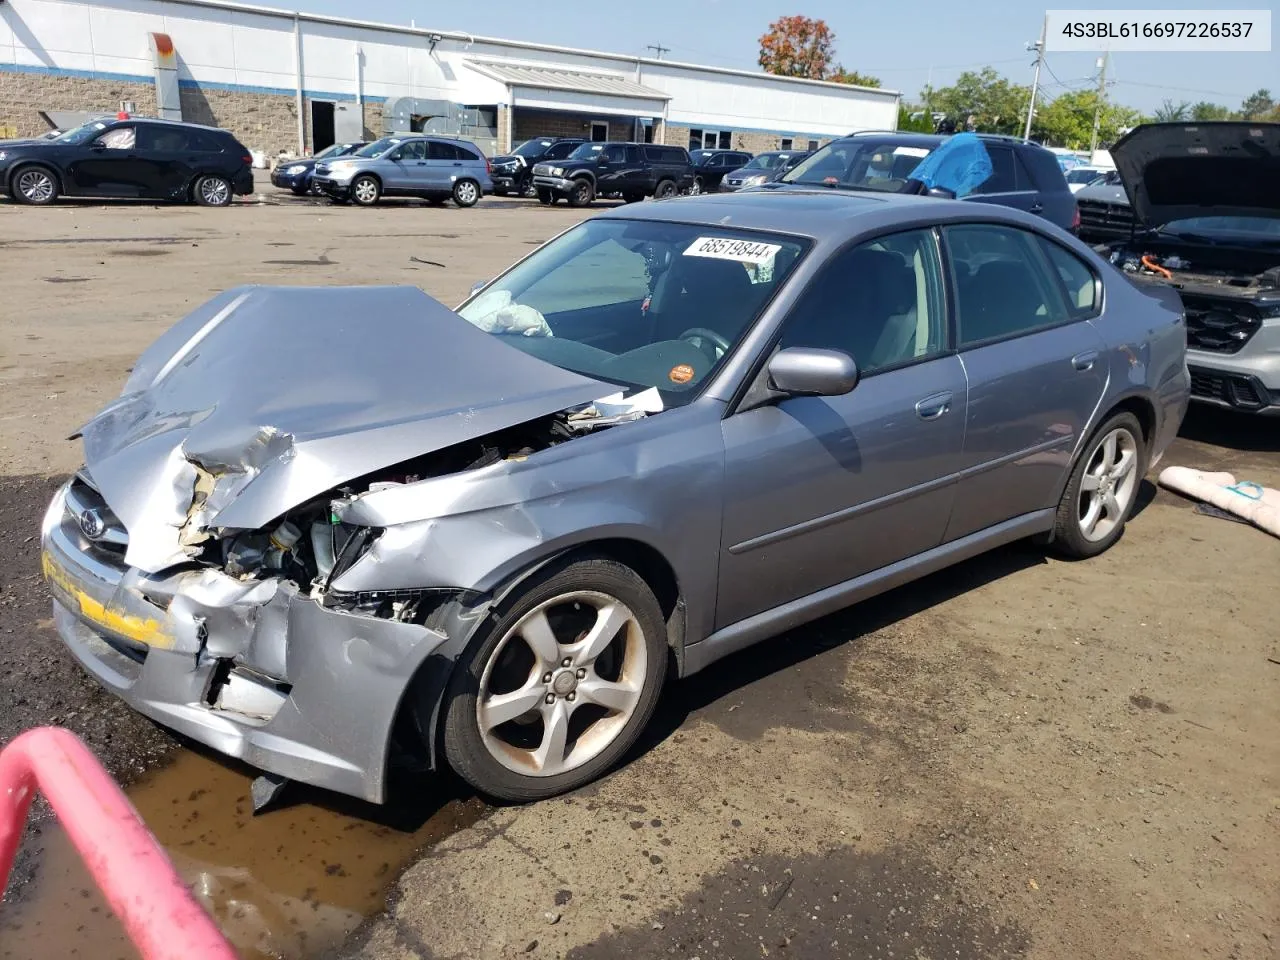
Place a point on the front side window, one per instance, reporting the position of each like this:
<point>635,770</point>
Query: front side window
<point>413,150</point>
<point>638,303</point>
<point>1004,285</point>
<point>615,153</point>
<point>881,303</point>
<point>119,138</point>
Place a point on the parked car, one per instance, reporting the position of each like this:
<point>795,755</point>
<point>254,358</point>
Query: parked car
<point>296,175</point>
<point>1079,177</point>
<point>631,171</point>
<point>513,173</point>
<point>1104,208</point>
<point>671,432</point>
<point>1201,219</point>
<point>762,168</point>
<point>1024,175</point>
<point>435,168</point>
<point>136,158</point>
<point>711,166</point>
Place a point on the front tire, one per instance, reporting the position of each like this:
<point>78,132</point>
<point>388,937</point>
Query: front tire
<point>545,196</point>
<point>1103,489</point>
<point>35,186</point>
<point>366,190</point>
<point>557,687</point>
<point>466,193</point>
<point>528,191</point>
<point>212,191</point>
<point>582,194</point>
<point>664,190</point>
<point>698,187</point>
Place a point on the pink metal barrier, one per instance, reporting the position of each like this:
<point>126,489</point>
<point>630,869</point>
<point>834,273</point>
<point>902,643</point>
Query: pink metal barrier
<point>158,912</point>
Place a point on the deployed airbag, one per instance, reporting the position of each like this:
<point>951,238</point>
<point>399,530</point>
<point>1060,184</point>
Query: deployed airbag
<point>1257,504</point>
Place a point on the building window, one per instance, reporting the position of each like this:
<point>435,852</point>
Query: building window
<point>726,140</point>
<point>695,139</point>
<point>786,143</point>
<point>599,131</point>
<point>813,144</point>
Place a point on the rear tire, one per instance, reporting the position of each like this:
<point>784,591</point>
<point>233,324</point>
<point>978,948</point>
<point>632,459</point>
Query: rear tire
<point>212,191</point>
<point>664,190</point>
<point>366,190</point>
<point>698,187</point>
<point>529,191</point>
<point>582,194</point>
<point>1103,489</point>
<point>300,191</point>
<point>498,721</point>
<point>466,193</point>
<point>34,185</point>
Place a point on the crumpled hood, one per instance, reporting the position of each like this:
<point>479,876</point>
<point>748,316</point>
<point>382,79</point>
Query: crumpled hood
<point>266,397</point>
<point>1172,171</point>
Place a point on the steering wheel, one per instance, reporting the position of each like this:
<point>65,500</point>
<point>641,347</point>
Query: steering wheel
<point>695,334</point>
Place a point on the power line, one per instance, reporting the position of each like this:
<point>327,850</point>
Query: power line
<point>1165,86</point>
<point>658,49</point>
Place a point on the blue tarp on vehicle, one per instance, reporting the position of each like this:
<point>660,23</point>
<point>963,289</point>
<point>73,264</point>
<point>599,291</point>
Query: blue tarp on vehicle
<point>960,165</point>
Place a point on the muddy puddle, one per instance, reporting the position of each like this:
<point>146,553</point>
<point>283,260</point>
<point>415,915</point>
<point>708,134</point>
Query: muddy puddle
<point>289,884</point>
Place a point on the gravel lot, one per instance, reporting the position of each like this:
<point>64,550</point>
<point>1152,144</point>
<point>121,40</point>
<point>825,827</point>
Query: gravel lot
<point>1017,757</point>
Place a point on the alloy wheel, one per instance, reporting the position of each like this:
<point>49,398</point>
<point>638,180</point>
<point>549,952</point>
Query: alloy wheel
<point>215,191</point>
<point>1109,484</point>
<point>562,684</point>
<point>366,190</point>
<point>465,193</point>
<point>36,186</point>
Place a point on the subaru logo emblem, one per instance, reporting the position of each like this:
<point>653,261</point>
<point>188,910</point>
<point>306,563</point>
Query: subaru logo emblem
<point>92,524</point>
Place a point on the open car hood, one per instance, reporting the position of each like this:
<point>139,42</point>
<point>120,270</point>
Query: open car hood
<point>1172,171</point>
<point>266,397</point>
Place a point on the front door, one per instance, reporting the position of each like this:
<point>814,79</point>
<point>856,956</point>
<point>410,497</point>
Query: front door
<point>1036,369</point>
<point>110,167</point>
<point>611,169</point>
<point>820,490</point>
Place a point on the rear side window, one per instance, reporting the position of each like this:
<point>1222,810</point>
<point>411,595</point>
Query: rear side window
<point>441,151</point>
<point>203,142</point>
<point>1003,282</point>
<point>1045,172</point>
<point>162,139</point>
<point>1077,279</point>
<point>666,154</point>
<point>1004,177</point>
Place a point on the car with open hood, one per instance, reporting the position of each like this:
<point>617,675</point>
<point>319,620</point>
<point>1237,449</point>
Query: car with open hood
<point>325,529</point>
<point>1197,209</point>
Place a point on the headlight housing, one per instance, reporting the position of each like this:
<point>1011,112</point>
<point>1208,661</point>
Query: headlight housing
<point>557,171</point>
<point>296,169</point>
<point>755,181</point>
<point>3,156</point>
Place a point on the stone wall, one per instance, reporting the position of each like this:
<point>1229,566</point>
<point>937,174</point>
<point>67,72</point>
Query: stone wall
<point>751,141</point>
<point>261,121</point>
<point>23,95</point>
<point>540,123</point>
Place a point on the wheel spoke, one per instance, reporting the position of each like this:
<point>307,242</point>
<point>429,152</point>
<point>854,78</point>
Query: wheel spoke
<point>500,708</point>
<point>1109,451</point>
<point>1089,482</point>
<point>555,735</point>
<point>1124,465</point>
<point>609,620</point>
<point>536,632</point>
<point>1111,505</point>
<point>617,697</point>
<point>1091,516</point>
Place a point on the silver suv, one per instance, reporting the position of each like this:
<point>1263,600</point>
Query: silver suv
<point>434,168</point>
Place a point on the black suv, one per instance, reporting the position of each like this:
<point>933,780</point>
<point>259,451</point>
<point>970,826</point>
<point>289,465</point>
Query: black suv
<point>513,172</point>
<point>631,171</point>
<point>711,166</point>
<point>129,157</point>
<point>1024,175</point>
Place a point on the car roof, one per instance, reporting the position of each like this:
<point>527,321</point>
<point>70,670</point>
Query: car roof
<point>157,121</point>
<point>819,213</point>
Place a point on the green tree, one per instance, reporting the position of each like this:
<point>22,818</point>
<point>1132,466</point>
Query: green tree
<point>1257,105</point>
<point>798,47</point>
<point>842,75</point>
<point>1204,111</point>
<point>914,119</point>
<point>1169,112</point>
<point>1068,120</point>
<point>995,104</point>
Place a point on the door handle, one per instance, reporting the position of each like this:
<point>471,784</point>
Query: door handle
<point>421,163</point>
<point>1037,207</point>
<point>931,408</point>
<point>457,163</point>
<point>1084,361</point>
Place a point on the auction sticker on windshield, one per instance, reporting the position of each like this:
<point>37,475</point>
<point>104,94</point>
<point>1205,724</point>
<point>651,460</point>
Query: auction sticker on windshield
<point>741,251</point>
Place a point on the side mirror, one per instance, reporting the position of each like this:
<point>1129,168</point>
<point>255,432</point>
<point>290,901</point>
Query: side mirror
<point>809,372</point>
<point>941,193</point>
<point>97,145</point>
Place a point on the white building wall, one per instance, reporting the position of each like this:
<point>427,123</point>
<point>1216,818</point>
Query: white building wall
<point>254,51</point>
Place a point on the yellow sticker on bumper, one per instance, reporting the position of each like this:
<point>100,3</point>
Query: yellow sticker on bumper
<point>146,630</point>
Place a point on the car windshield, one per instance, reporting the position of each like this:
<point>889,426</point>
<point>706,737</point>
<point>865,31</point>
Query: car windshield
<point>335,150</point>
<point>585,151</point>
<point>1248,230</point>
<point>378,147</point>
<point>82,134</point>
<point>641,304</point>
<point>861,164</point>
<point>701,156</point>
<point>1083,175</point>
<point>765,161</point>
<point>531,148</point>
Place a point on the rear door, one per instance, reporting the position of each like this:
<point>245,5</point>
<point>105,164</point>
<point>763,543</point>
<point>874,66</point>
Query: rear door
<point>443,163</point>
<point>1009,185</point>
<point>1035,365</point>
<point>165,156</point>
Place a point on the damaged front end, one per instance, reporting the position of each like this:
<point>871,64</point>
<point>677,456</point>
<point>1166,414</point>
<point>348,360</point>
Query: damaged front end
<point>197,563</point>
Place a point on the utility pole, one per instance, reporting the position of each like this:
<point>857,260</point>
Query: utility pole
<point>1097,107</point>
<point>658,49</point>
<point>1038,46</point>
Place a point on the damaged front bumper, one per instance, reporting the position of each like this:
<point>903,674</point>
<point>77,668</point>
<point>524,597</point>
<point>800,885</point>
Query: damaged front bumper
<point>253,668</point>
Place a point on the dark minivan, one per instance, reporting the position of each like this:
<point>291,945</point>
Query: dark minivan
<point>1024,175</point>
<point>712,166</point>
<point>130,157</point>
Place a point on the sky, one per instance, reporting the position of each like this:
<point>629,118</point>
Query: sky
<point>903,43</point>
